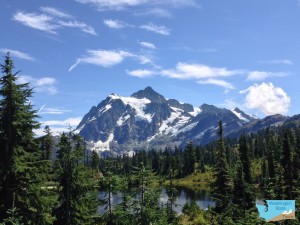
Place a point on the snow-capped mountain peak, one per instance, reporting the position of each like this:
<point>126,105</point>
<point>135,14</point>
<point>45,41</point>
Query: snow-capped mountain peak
<point>147,119</point>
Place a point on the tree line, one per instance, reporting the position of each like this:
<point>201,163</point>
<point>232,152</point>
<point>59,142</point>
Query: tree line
<point>36,190</point>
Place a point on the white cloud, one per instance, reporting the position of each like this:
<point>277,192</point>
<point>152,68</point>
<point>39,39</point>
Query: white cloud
<point>115,24</point>
<point>183,3</point>
<point>37,21</point>
<point>102,58</point>
<point>44,110</point>
<point>190,49</point>
<point>198,71</point>
<point>44,84</point>
<point>58,126</point>
<point>267,98</point>
<point>123,4</point>
<point>262,75</point>
<point>51,20</point>
<point>106,58</point>
<point>56,12</point>
<point>143,59</point>
<point>217,82</point>
<point>82,26</point>
<point>73,122</point>
<point>45,81</point>
<point>278,61</point>
<point>112,4</point>
<point>17,54</point>
<point>147,45</point>
<point>156,29</point>
<point>158,12</point>
<point>141,73</point>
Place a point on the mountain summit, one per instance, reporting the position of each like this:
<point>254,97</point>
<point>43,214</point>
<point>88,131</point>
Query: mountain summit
<point>147,119</point>
<point>150,94</point>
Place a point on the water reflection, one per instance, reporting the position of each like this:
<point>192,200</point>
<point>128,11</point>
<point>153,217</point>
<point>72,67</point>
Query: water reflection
<point>182,195</point>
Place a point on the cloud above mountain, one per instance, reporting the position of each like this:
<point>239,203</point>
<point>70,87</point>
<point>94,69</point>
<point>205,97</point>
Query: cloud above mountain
<point>108,58</point>
<point>267,98</point>
<point>51,20</point>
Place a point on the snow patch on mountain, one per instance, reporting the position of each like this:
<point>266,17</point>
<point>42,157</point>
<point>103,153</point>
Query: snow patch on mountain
<point>138,104</point>
<point>79,129</point>
<point>187,127</point>
<point>203,132</point>
<point>174,122</point>
<point>100,146</point>
<point>104,109</point>
<point>130,154</point>
<point>196,111</point>
<point>239,115</point>
<point>152,138</point>
<point>122,119</point>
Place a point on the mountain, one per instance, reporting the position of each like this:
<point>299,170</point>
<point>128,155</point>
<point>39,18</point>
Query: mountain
<point>147,119</point>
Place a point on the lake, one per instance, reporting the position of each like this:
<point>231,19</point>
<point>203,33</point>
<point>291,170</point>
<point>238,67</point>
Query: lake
<point>182,196</point>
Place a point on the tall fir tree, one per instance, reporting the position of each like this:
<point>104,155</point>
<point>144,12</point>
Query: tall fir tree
<point>171,191</point>
<point>239,190</point>
<point>287,165</point>
<point>222,184</point>
<point>189,156</point>
<point>22,181</point>
<point>270,145</point>
<point>47,143</point>
<point>95,162</point>
<point>109,182</point>
<point>146,207</point>
<point>76,187</point>
<point>249,196</point>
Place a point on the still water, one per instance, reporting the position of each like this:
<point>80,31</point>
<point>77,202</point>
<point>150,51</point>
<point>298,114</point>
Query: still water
<point>182,195</point>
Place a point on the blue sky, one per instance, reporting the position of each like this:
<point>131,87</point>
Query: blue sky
<point>223,52</point>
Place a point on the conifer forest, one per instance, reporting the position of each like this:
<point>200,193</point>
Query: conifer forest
<point>36,189</point>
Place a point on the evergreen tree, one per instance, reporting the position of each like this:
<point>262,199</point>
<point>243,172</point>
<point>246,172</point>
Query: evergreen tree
<point>264,169</point>
<point>270,145</point>
<point>279,189</point>
<point>245,159</point>
<point>249,197</point>
<point>23,191</point>
<point>95,162</point>
<point>202,166</point>
<point>287,164</point>
<point>171,214</point>
<point>122,212</point>
<point>239,190</point>
<point>47,143</point>
<point>109,183</point>
<point>221,186</point>
<point>145,206</point>
<point>77,193</point>
<point>189,159</point>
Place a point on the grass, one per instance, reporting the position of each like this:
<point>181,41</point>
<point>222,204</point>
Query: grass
<point>195,181</point>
